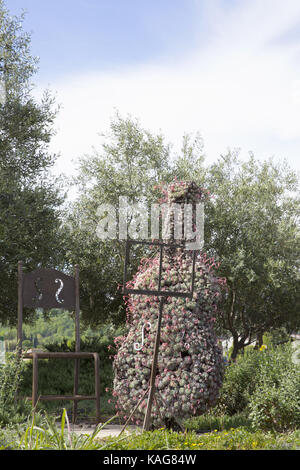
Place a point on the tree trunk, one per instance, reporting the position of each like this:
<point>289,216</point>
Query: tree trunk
<point>259,340</point>
<point>238,344</point>
<point>234,353</point>
<point>236,348</point>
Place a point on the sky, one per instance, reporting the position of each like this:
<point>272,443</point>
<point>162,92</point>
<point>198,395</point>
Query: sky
<point>228,69</point>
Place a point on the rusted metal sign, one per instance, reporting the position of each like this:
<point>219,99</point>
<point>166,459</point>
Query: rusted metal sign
<point>48,288</point>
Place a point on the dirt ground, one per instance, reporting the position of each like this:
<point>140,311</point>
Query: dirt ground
<point>108,430</point>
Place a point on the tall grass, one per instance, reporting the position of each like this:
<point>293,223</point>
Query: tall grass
<point>49,436</point>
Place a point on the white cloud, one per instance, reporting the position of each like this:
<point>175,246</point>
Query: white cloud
<point>241,88</point>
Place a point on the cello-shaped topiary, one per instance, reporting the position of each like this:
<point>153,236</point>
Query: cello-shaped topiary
<point>190,363</point>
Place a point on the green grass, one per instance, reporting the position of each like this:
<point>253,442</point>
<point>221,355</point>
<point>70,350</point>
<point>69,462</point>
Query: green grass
<point>42,433</point>
<point>233,439</point>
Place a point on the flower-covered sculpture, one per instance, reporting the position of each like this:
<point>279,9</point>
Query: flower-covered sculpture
<point>190,365</point>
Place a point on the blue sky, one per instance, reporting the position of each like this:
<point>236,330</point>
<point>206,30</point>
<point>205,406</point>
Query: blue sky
<point>229,69</point>
<point>72,35</point>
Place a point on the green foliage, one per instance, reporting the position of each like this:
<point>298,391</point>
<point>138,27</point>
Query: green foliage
<point>50,328</point>
<point>189,165</point>
<point>275,403</point>
<point>265,384</point>
<point>252,227</point>
<point>276,336</point>
<point>211,421</point>
<point>132,163</point>
<point>239,383</point>
<point>48,436</point>
<point>234,439</point>
<point>12,410</point>
<point>274,408</point>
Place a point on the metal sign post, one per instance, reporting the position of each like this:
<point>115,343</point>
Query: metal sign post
<point>48,288</point>
<point>163,294</point>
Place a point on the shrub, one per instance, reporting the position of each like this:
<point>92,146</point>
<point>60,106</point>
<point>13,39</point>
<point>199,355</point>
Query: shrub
<point>265,384</point>
<point>12,409</point>
<point>275,403</point>
<point>240,381</point>
<point>276,337</point>
<point>210,422</point>
<point>270,409</point>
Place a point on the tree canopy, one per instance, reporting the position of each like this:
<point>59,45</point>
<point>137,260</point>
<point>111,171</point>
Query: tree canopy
<point>133,163</point>
<point>252,228</point>
<point>29,197</point>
